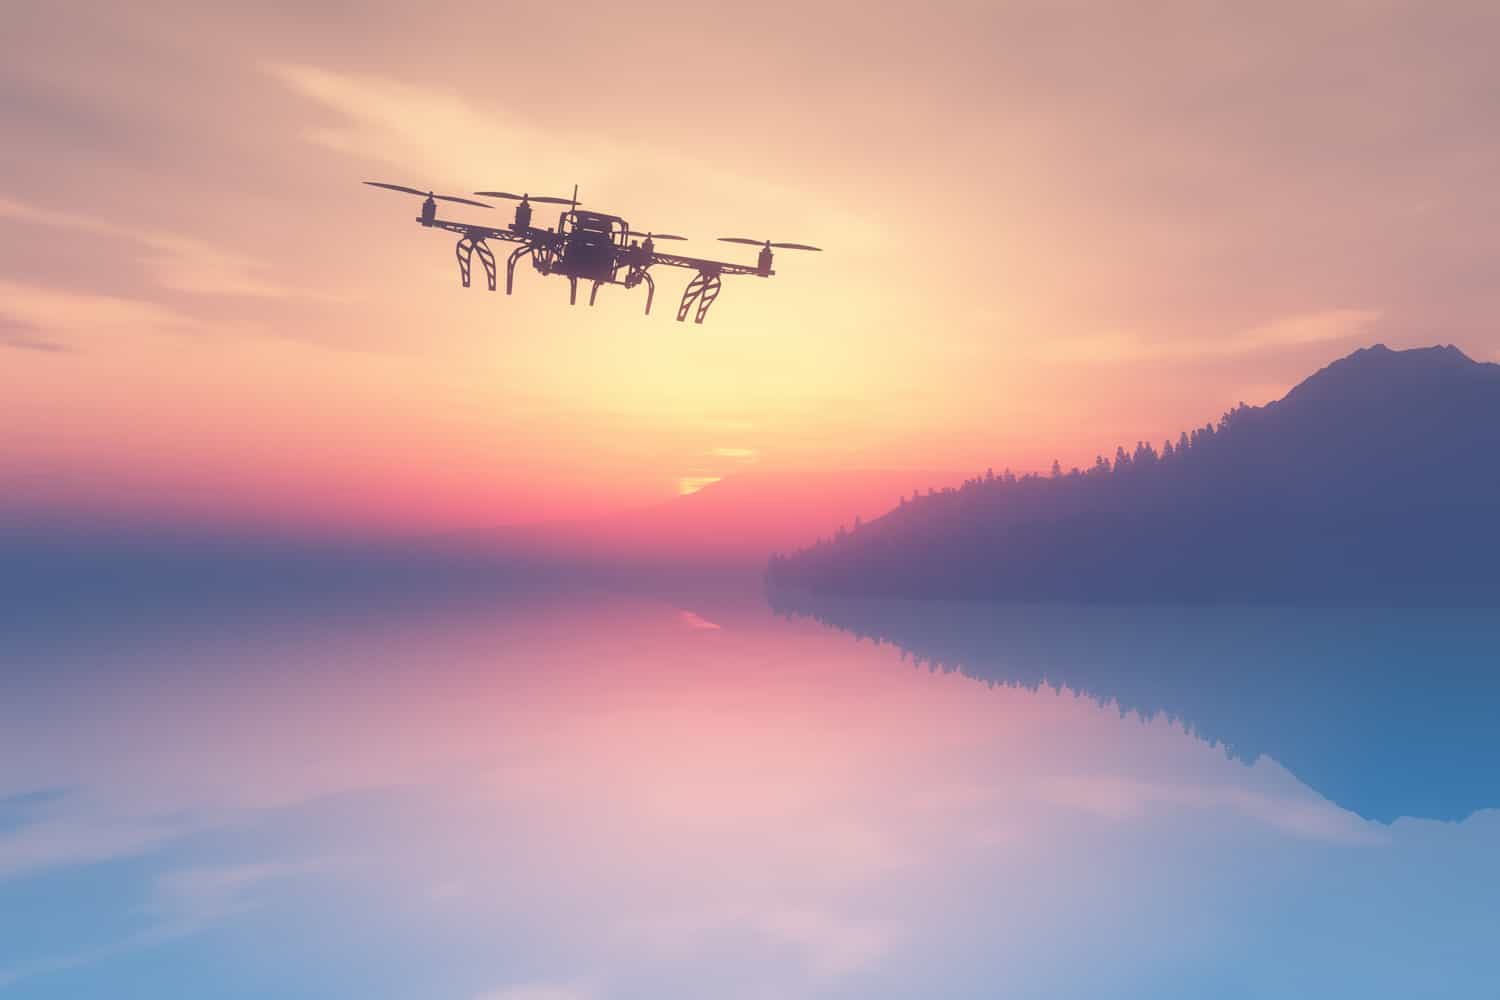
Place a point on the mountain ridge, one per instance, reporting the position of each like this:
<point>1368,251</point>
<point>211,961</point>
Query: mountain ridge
<point>1374,479</point>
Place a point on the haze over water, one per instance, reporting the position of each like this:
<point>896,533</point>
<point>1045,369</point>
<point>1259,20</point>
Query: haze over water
<point>564,795</point>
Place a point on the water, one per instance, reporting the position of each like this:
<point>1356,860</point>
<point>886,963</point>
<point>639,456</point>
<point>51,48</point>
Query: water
<point>567,795</point>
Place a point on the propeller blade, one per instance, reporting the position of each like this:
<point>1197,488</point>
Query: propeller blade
<point>461,201</point>
<point>426,194</point>
<point>396,187</point>
<point>768,243</point>
<point>545,199</point>
<point>656,236</point>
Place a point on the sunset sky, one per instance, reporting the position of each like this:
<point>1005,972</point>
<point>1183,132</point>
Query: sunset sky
<point>1049,229</point>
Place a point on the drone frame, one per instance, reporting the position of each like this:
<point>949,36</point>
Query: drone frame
<point>545,247</point>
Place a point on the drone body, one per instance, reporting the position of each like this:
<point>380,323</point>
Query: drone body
<point>585,246</point>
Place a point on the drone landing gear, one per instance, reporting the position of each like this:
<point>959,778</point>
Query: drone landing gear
<point>572,290</point>
<point>464,252</point>
<point>637,275</point>
<point>703,289</point>
<point>510,266</point>
<point>594,292</point>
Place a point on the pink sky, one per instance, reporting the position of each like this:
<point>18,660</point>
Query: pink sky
<point>1049,230</point>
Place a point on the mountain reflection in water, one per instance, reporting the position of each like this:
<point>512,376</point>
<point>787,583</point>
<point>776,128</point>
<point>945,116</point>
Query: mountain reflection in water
<point>1386,712</point>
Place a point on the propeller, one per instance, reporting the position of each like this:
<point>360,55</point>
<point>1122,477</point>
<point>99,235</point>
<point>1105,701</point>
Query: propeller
<point>526,197</point>
<point>768,243</point>
<point>655,236</point>
<point>427,194</point>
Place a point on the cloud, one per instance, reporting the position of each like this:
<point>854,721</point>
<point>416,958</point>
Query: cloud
<point>1299,329</point>
<point>34,307</point>
<point>833,946</point>
<point>179,263</point>
<point>695,621</point>
<point>187,901</point>
<point>22,337</point>
<point>431,132</point>
<point>59,841</point>
<point>212,892</point>
<point>830,944</point>
<point>1124,798</point>
<point>158,934</point>
<point>541,991</point>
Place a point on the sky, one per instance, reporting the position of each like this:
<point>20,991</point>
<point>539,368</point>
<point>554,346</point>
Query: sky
<point>1049,229</point>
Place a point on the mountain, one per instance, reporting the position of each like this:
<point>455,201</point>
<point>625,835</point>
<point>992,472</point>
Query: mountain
<point>1375,481</point>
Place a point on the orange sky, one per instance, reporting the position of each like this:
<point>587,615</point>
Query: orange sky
<point>1048,231</point>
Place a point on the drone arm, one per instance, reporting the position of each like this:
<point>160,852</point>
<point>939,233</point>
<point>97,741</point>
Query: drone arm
<point>480,232</point>
<point>702,265</point>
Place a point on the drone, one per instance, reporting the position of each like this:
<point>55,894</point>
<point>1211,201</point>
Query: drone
<point>587,246</point>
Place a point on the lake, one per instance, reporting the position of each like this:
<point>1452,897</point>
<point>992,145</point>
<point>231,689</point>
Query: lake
<point>580,795</point>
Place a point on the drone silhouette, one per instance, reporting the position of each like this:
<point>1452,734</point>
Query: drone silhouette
<point>590,246</point>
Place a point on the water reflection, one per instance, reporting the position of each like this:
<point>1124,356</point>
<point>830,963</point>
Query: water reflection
<point>1388,712</point>
<point>579,797</point>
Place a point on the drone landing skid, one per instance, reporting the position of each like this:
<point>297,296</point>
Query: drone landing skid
<point>465,251</point>
<point>510,266</point>
<point>703,289</point>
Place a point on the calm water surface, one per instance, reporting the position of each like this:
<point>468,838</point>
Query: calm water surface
<point>570,796</point>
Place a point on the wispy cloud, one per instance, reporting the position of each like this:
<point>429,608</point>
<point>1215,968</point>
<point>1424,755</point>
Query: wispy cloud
<point>833,945</point>
<point>1125,797</point>
<point>431,132</point>
<point>24,338</point>
<point>695,621</point>
<point>212,892</point>
<point>185,902</point>
<point>34,307</point>
<point>178,263</point>
<point>55,841</point>
<point>1115,346</point>
<point>149,937</point>
<point>542,991</point>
